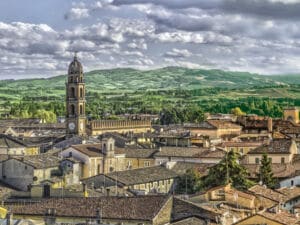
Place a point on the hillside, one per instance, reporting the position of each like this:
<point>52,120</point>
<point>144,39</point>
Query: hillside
<point>118,80</point>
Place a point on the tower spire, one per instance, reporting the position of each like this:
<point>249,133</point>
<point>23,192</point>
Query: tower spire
<point>75,55</point>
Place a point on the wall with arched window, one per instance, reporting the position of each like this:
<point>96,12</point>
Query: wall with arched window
<point>72,94</point>
<point>72,109</point>
<point>81,92</point>
<point>81,109</point>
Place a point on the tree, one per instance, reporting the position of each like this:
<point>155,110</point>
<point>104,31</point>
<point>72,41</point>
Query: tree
<point>47,116</point>
<point>228,170</point>
<point>265,172</point>
<point>237,111</point>
<point>189,183</point>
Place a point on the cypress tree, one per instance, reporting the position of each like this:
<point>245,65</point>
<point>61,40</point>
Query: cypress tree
<point>265,172</point>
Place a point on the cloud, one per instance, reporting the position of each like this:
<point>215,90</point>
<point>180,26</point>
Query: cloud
<point>77,13</point>
<point>178,53</point>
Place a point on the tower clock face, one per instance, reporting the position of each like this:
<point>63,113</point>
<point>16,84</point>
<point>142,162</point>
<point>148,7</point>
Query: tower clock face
<point>72,126</point>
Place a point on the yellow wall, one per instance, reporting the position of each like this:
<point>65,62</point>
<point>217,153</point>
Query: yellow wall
<point>291,113</point>
<point>32,151</point>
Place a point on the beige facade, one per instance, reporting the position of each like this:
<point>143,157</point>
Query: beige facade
<point>291,114</point>
<point>120,126</point>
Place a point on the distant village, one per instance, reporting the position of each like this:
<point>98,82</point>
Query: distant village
<point>129,171</point>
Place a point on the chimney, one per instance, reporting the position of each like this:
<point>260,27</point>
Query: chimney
<point>270,124</point>
<point>50,216</point>
<point>9,218</point>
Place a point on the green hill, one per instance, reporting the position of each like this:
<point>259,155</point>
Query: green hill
<point>128,80</point>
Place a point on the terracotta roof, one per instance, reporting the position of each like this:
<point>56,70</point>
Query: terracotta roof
<point>282,217</point>
<point>184,209</point>
<point>240,144</point>
<point>224,124</point>
<point>9,142</point>
<point>190,221</point>
<point>127,208</point>
<point>142,175</point>
<point>290,193</point>
<point>242,194</point>
<point>92,150</point>
<point>291,130</point>
<point>180,168</point>
<point>189,152</point>
<point>139,153</point>
<point>40,161</point>
<point>208,153</point>
<point>268,193</point>
<point>214,124</point>
<point>275,146</point>
<point>279,170</point>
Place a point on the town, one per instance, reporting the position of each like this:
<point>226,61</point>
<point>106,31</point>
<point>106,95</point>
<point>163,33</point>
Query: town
<point>228,169</point>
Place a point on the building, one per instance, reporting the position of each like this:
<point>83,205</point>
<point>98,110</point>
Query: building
<point>279,151</point>
<point>22,172</point>
<point>120,126</point>
<point>155,179</point>
<point>148,210</point>
<point>291,114</point>
<point>240,147</point>
<point>280,218</point>
<point>13,146</point>
<point>214,129</point>
<point>75,100</point>
<point>185,154</point>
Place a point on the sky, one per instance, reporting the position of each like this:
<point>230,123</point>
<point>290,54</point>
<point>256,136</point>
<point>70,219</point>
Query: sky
<point>38,38</point>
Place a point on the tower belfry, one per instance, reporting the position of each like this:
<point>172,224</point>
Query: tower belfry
<point>75,99</point>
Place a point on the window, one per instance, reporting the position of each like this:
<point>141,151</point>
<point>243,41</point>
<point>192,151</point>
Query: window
<point>282,160</point>
<point>72,92</point>
<point>25,167</point>
<point>146,164</point>
<point>70,154</point>
<point>72,109</point>
<point>81,110</point>
<point>110,147</point>
<point>257,160</point>
<point>81,93</point>
<point>292,182</point>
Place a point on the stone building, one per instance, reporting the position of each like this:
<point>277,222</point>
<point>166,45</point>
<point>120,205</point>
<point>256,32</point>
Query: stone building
<point>22,172</point>
<point>75,99</point>
<point>120,126</point>
<point>155,179</point>
<point>280,151</point>
<point>291,114</point>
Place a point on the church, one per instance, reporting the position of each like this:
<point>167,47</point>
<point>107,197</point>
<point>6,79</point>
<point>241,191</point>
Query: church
<point>76,120</point>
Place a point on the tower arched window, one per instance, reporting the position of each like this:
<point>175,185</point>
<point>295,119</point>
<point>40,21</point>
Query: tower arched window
<point>81,92</point>
<point>81,110</point>
<point>71,79</point>
<point>72,110</point>
<point>72,92</point>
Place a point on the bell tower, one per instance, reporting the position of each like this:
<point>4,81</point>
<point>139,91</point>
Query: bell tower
<point>75,99</point>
